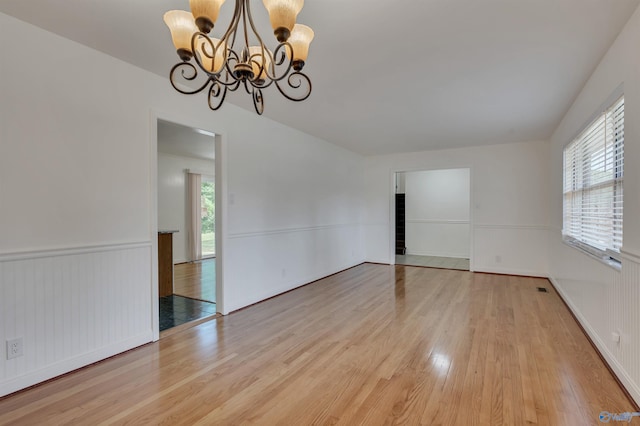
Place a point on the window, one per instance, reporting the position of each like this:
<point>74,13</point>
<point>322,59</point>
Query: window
<point>593,175</point>
<point>208,217</point>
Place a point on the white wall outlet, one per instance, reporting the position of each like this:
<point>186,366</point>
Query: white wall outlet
<point>615,336</point>
<point>14,348</point>
<point>498,259</point>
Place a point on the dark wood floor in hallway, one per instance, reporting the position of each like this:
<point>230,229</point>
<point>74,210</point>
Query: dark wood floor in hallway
<point>372,345</point>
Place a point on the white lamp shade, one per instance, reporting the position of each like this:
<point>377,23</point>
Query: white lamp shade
<point>182,27</point>
<point>283,13</point>
<point>300,40</point>
<point>206,8</point>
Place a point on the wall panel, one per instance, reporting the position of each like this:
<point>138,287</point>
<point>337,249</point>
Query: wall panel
<point>607,305</point>
<point>287,258</point>
<point>72,307</point>
<point>511,249</point>
<point>438,238</point>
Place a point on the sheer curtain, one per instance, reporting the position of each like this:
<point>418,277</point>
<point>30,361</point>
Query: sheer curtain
<point>194,184</point>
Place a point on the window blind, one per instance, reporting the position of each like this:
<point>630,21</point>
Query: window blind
<point>593,177</point>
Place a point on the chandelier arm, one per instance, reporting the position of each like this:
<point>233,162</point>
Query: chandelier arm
<point>258,100</point>
<point>212,75</point>
<point>223,44</point>
<point>247,89</point>
<point>216,91</point>
<point>281,55</point>
<point>185,67</point>
<point>263,84</point>
<point>296,80</point>
<point>233,56</point>
<point>233,87</point>
<point>262,45</point>
<point>233,26</point>
<point>246,9</point>
<point>230,81</point>
<point>196,36</point>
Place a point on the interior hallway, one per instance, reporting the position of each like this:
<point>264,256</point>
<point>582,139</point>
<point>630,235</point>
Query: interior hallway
<point>375,344</point>
<point>194,294</point>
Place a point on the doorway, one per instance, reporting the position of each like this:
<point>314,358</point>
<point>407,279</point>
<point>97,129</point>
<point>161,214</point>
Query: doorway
<point>432,218</point>
<point>186,208</point>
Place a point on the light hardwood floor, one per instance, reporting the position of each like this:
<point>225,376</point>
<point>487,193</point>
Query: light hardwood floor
<point>196,280</point>
<point>372,345</point>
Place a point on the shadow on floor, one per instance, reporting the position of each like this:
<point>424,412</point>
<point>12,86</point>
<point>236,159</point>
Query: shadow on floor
<point>177,310</point>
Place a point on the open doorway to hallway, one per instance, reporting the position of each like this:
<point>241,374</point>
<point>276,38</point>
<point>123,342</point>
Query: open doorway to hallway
<point>186,210</point>
<point>432,218</point>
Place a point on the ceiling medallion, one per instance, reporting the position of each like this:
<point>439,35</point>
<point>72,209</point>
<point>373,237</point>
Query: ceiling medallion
<point>227,66</point>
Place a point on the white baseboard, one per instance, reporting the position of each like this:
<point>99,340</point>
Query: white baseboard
<point>67,365</point>
<point>439,254</point>
<point>510,271</point>
<point>292,286</point>
<point>380,261</point>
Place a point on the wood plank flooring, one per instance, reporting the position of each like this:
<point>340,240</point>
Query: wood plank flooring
<point>372,345</point>
<point>196,280</point>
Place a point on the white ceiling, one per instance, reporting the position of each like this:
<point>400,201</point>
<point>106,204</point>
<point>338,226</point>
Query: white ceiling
<point>184,141</point>
<point>398,76</point>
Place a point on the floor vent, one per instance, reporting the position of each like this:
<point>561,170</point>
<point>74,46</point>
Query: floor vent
<point>543,290</point>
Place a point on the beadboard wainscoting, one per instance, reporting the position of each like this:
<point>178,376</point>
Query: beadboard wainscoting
<point>444,238</point>
<point>511,249</point>
<point>605,308</point>
<point>283,259</point>
<point>495,248</point>
<point>72,307</point>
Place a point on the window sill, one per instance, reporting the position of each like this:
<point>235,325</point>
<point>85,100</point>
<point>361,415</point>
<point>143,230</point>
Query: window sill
<point>612,263</point>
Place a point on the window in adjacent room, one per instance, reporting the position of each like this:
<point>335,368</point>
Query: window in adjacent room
<point>593,177</point>
<point>208,216</point>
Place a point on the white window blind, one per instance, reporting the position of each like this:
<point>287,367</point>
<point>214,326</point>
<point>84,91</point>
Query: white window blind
<point>593,175</point>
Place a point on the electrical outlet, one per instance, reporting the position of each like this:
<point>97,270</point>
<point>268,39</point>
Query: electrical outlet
<point>14,348</point>
<point>498,259</point>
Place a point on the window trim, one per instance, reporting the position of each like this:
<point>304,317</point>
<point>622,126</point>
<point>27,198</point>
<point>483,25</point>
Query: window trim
<point>605,259</point>
<point>608,257</point>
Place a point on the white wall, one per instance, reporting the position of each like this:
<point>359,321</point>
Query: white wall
<point>604,299</point>
<point>400,182</point>
<point>295,212</point>
<point>77,169</point>
<point>509,196</point>
<point>172,197</point>
<point>437,212</point>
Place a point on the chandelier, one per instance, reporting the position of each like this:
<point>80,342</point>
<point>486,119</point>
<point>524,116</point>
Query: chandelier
<point>239,57</point>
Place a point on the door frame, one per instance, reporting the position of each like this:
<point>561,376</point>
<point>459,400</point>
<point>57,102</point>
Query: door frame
<point>220,201</point>
<point>392,207</point>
